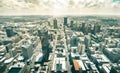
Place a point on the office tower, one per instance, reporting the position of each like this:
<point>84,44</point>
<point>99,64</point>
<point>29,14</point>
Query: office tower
<point>115,68</point>
<point>87,41</point>
<point>74,40</point>
<point>97,28</point>
<point>71,23</point>
<point>9,32</point>
<point>83,27</point>
<point>18,67</point>
<point>81,49</point>
<point>65,20</point>
<point>55,23</point>
<point>87,29</point>
<point>44,37</point>
<point>27,51</point>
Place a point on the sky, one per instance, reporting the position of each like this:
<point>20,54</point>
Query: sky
<point>59,7</point>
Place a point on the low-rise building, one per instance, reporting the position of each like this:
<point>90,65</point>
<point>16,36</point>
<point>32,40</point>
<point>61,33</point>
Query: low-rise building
<point>59,65</point>
<point>19,67</point>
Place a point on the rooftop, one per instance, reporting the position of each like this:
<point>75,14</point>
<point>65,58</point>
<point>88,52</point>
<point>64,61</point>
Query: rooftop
<point>59,62</point>
<point>76,65</point>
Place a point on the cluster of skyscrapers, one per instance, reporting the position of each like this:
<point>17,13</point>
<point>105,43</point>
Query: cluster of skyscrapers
<point>60,45</point>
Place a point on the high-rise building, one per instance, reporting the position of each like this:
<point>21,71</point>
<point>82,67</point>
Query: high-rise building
<point>18,67</point>
<point>74,40</point>
<point>87,29</point>
<point>65,20</point>
<point>27,51</point>
<point>115,69</point>
<point>44,37</point>
<point>97,28</point>
<point>87,41</point>
<point>83,27</point>
<point>55,23</point>
<point>9,32</point>
<point>71,23</point>
<point>81,49</point>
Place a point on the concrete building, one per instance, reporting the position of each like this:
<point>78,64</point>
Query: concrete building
<point>59,65</point>
<point>71,24</point>
<point>80,66</point>
<point>19,67</point>
<point>13,52</point>
<point>76,68</point>
<point>83,27</point>
<point>9,32</point>
<point>97,28</point>
<point>99,60</point>
<point>87,41</point>
<point>2,49</point>
<point>106,68</point>
<point>112,54</point>
<point>65,21</point>
<point>44,37</point>
<point>55,23</point>
<point>81,48</point>
<point>74,40</point>
<point>27,50</point>
<point>115,68</point>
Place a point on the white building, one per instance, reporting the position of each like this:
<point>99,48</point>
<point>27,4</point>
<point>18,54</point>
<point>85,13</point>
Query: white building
<point>59,65</point>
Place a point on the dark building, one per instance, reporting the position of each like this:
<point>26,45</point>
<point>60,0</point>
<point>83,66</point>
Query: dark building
<point>71,23</point>
<point>43,34</point>
<point>9,32</point>
<point>87,41</point>
<point>88,29</point>
<point>65,20</point>
<point>83,27</point>
<point>74,40</point>
<point>115,69</point>
<point>55,23</point>
<point>2,67</point>
<point>18,68</point>
<point>14,70</point>
<point>113,55</point>
<point>97,28</point>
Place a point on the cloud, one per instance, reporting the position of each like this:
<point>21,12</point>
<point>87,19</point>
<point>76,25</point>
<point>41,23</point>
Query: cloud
<point>58,6</point>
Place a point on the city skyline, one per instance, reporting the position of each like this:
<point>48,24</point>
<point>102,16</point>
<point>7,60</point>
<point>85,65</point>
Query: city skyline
<point>59,7</point>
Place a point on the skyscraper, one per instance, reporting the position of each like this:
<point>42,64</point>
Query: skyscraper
<point>55,23</point>
<point>87,41</point>
<point>71,23</point>
<point>97,28</point>
<point>83,27</point>
<point>44,37</point>
<point>65,20</point>
<point>9,32</point>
